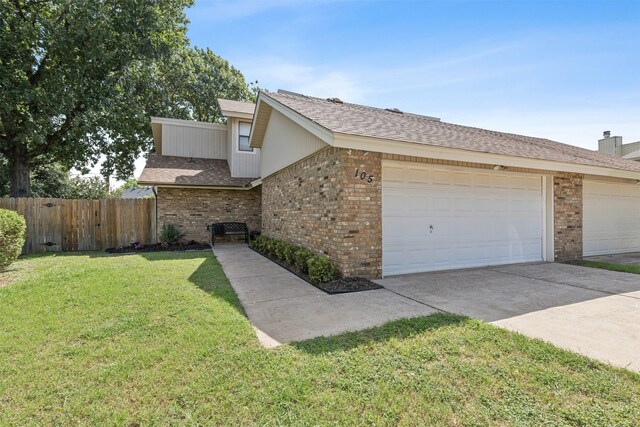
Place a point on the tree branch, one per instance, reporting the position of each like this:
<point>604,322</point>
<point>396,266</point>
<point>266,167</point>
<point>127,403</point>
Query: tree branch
<point>56,137</point>
<point>18,7</point>
<point>34,78</point>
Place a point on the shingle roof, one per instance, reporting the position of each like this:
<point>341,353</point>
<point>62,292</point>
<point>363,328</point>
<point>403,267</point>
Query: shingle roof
<point>172,170</point>
<point>360,120</point>
<point>137,193</point>
<point>236,106</point>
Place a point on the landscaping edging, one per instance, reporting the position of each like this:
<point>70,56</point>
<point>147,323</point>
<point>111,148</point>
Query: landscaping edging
<point>157,247</point>
<point>333,287</point>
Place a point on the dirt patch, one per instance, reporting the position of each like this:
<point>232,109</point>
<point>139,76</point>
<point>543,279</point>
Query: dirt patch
<point>342,285</point>
<point>159,247</point>
<point>348,284</point>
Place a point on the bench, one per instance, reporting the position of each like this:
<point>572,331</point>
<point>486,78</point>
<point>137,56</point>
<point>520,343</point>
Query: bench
<point>228,229</point>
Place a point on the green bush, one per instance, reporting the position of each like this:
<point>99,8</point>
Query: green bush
<point>170,233</point>
<point>270,247</point>
<point>321,269</point>
<point>12,234</point>
<point>302,256</point>
<point>259,243</point>
<point>290,253</point>
<point>278,248</point>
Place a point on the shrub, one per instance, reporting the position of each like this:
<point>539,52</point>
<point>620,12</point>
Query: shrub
<point>254,234</point>
<point>278,248</point>
<point>12,235</point>
<point>259,243</point>
<point>170,233</point>
<point>302,256</point>
<point>321,269</point>
<point>290,253</point>
<point>270,247</point>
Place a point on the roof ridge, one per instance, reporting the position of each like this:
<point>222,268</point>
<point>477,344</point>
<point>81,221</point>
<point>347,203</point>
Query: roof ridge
<point>294,95</point>
<point>363,120</point>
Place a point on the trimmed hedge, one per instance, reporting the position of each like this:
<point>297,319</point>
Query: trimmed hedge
<point>320,269</point>
<point>13,229</point>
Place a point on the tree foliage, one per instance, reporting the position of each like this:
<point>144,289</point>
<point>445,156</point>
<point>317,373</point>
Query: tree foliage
<point>80,79</point>
<point>189,84</point>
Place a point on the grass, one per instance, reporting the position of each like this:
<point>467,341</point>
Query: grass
<point>625,268</point>
<point>160,339</point>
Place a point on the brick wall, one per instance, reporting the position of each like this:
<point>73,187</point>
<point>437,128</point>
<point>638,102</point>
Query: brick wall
<point>193,209</point>
<point>321,204</point>
<point>567,206</point>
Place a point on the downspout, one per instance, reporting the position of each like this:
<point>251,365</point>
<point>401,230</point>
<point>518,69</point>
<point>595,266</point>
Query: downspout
<point>155,194</point>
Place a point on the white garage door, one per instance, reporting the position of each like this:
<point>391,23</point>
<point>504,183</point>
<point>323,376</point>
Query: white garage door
<point>436,218</point>
<point>611,218</point>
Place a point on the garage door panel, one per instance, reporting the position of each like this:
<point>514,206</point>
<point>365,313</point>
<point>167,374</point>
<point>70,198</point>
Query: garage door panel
<point>478,218</point>
<point>611,218</point>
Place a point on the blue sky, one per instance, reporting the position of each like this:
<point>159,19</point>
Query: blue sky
<point>556,69</point>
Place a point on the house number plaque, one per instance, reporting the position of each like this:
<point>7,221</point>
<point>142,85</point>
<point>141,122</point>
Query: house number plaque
<point>364,176</point>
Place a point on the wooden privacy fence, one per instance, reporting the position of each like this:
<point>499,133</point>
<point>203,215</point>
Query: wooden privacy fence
<point>68,225</point>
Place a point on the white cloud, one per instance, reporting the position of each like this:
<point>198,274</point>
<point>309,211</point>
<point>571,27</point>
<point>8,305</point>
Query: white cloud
<point>275,73</point>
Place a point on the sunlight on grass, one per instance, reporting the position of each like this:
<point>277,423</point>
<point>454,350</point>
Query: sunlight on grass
<point>625,268</point>
<point>160,338</point>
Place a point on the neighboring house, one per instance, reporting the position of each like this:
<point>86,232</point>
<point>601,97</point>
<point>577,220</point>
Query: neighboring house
<point>205,172</point>
<point>137,193</point>
<point>613,146</point>
<point>383,192</point>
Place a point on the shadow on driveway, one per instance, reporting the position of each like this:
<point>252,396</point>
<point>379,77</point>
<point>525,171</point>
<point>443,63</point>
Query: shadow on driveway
<point>591,311</point>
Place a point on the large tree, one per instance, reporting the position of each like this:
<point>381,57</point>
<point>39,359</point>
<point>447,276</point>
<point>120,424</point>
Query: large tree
<point>75,77</point>
<point>188,84</point>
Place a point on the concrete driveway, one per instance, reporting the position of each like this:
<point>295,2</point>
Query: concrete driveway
<point>591,311</point>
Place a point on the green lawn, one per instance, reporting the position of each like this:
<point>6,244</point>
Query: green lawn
<point>94,339</point>
<point>625,268</point>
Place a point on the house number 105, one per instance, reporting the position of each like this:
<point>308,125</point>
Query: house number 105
<point>363,176</point>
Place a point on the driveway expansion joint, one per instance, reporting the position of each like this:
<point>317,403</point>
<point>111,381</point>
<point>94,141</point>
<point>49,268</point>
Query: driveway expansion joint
<point>625,295</point>
<point>416,300</point>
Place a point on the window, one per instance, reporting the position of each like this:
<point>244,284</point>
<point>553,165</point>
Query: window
<point>244,130</point>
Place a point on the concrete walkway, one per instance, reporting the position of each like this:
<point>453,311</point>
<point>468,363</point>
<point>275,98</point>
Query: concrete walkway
<point>591,311</point>
<point>284,308</point>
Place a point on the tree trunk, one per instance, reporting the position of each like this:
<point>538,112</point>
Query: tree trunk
<point>19,176</point>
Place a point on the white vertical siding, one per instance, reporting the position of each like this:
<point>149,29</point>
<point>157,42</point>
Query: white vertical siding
<point>242,164</point>
<point>191,141</point>
<point>285,143</point>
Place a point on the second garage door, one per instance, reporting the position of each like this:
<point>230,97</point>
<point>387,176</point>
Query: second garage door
<point>436,218</point>
<point>611,218</point>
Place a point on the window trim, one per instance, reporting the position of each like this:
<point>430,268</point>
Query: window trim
<point>238,149</point>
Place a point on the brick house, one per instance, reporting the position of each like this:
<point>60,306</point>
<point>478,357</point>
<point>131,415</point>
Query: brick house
<point>205,172</point>
<point>384,192</point>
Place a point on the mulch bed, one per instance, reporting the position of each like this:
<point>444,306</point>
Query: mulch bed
<point>342,285</point>
<point>159,247</point>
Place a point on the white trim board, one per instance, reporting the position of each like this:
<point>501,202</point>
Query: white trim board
<point>187,123</point>
<point>453,154</point>
<point>321,132</point>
